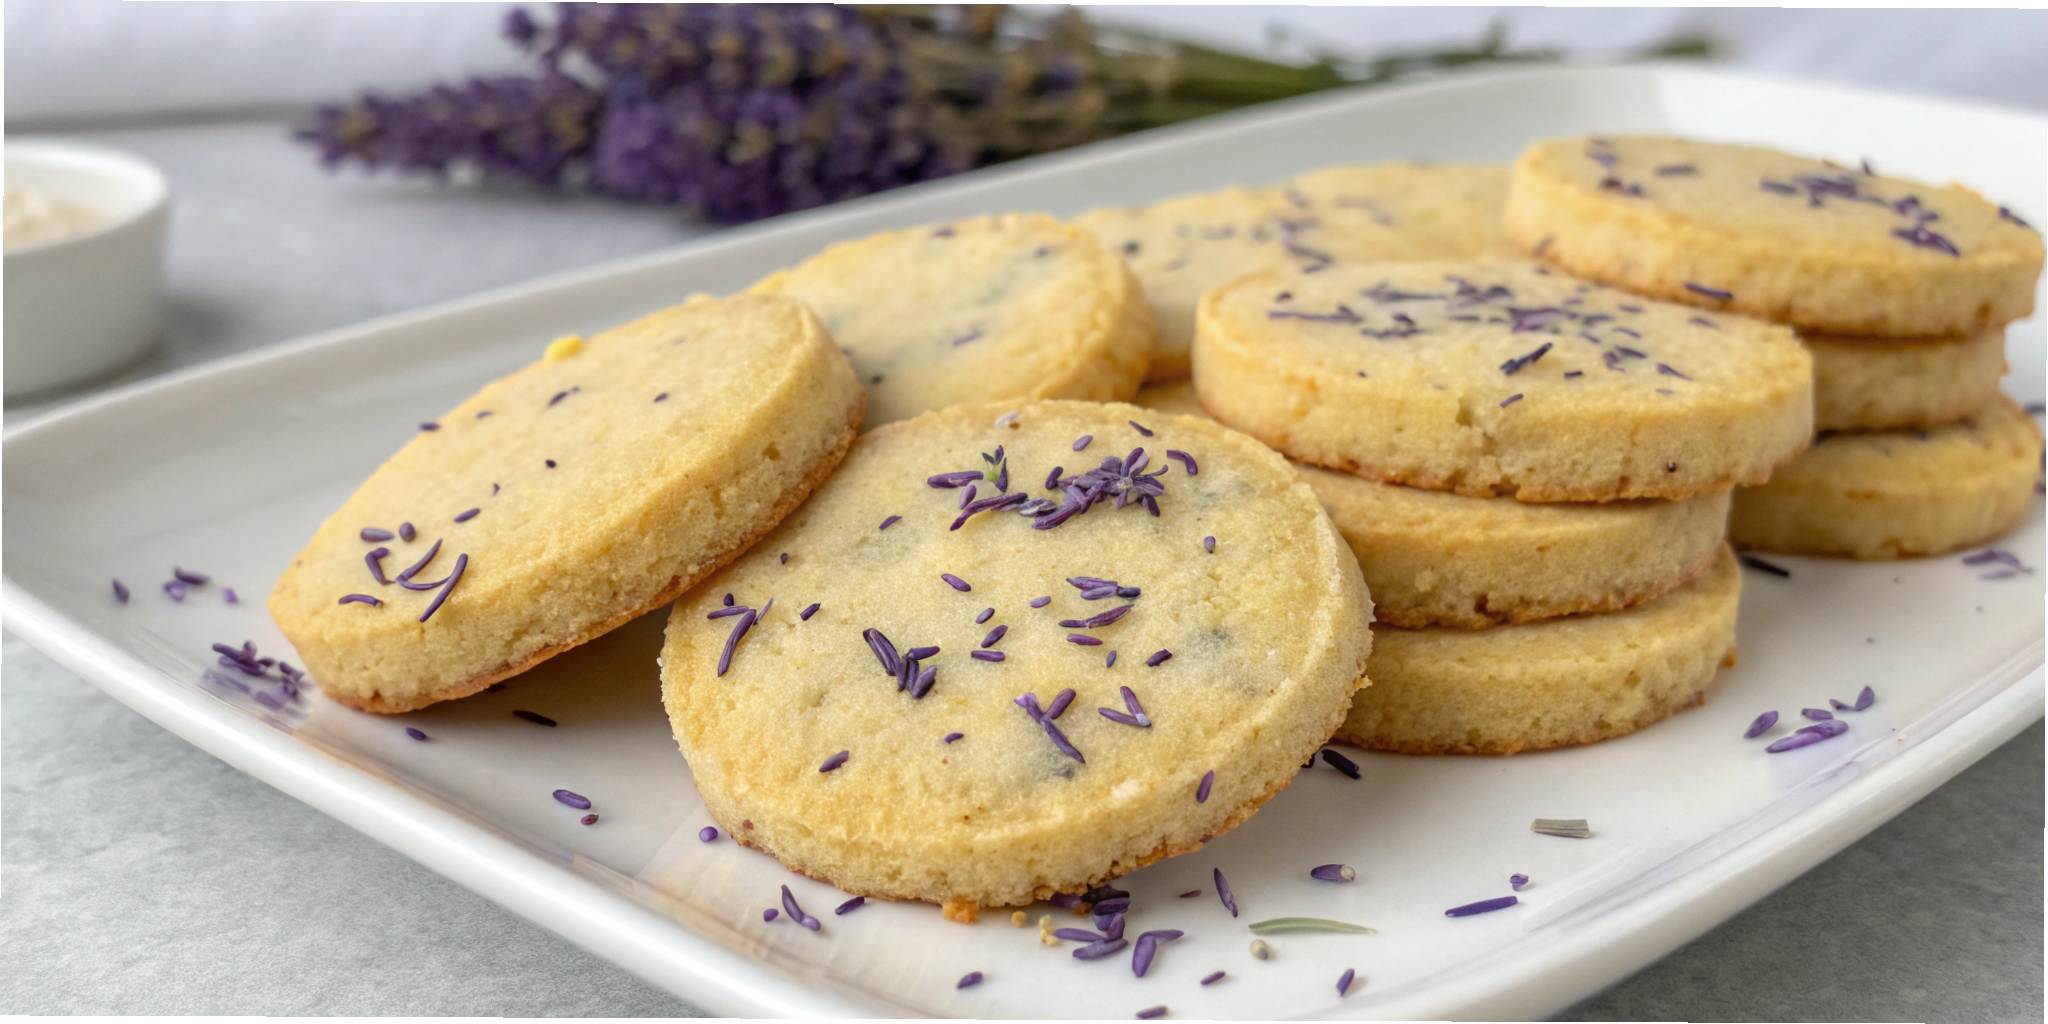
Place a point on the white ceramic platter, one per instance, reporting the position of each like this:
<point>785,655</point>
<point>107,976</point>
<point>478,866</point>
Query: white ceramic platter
<point>227,469</point>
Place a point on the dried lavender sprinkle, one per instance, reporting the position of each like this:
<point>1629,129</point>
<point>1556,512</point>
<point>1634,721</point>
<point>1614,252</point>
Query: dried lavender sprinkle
<point>228,594</point>
<point>886,523</point>
<point>1151,1013</point>
<point>415,734</point>
<point>1340,762</point>
<point>1344,982</point>
<point>1139,427</point>
<point>955,582</point>
<point>835,761</point>
<point>1483,906</point>
<point>968,980</point>
<point>1186,461</point>
<point>454,577</point>
<point>987,655</point>
<point>951,736</point>
<point>732,640</point>
<point>1817,714</point>
<point>986,614</point>
<point>1333,872</point>
<point>1223,893</point>
<point>406,533</point>
<point>1202,791</point>
<point>588,819</point>
<point>1110,662</point>
<point>1209,545</point>
<point>707,834</point>
<point>1098,950</point>
<point>1510,400</point>
<point>175,589</point>
<point>1084,640</point>
<point>1760,565</point>
<point>1763,722</point>
<point>1040,602</point>
<point>1712,293</point>
<point>1213,978</point>
<point>463,517</point>
<point>769,914</point>
<point>1517,880</point>
<point>576,800</point>
<point>855,904</point>
<point>120,591</point>
<point>995,636</point>
<point>796,913</point>
<point>1083,442</point>
<point>806,614</point>
<point>663,397</point>
<point>430,425</point>
<point>1158,658</point>
<point>359,599</point>
<point>373,534</point>
<point>1865,699</point>
<point>536,718</point>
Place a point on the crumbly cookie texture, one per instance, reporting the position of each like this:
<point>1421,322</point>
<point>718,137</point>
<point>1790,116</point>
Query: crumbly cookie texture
<point>1501,379</point>
<point>562,501</point>
<point>1548,684</point>
<point>1185,246</point>
<point>1902,383</point>
<point>1774,235</point>
<point>1900,493</point>
<point>1437,559</point>
<point>1012,307</point>
<point>863,730</point>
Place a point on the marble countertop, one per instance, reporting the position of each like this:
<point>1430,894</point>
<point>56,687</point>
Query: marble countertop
<point>144,876</point>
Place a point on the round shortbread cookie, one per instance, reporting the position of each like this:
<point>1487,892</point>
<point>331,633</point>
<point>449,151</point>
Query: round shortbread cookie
<point>1183,247</point>
<point>1547,684</point>
<point>564,500</point>
<point>1897,494</point>
<point>1902,383</point>
<point>1014,307</point>
<point>1437,559</point>
<point>1502,378</point>
<point>1770,234</point>
<point>936,784</point>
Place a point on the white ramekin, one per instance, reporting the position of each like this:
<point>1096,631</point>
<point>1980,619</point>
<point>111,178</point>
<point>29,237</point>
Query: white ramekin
<point>82,306</point>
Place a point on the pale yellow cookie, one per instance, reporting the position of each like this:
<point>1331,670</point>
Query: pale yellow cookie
<point>1437,559</point>
<point>566,499</point>
<point>1902,383</point>
<point>1900,493</point>
<point>933,783</point>
<point>1547,684</point>
<point>1770,234</point>
<point>1014,307</point>
<point>1182,247</point>
<point>1501,378</point>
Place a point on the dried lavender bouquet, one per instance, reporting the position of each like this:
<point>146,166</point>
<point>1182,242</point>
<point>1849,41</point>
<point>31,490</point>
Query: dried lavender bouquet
<point>736,112</point>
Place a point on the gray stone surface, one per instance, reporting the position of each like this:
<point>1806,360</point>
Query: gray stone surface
<point>141,875</point>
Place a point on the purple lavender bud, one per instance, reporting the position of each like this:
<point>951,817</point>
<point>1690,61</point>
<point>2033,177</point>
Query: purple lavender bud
<point>1483,906</point>
<point>987,655</point>
<point>1148,948</point>
<point>1202,791</point>
<point>1083,442</point>
<point>177,591</point>
<point>1762,723</point>
<point>1816,714</point>
<point>1064,901</point>
<point>1139,427</point>
<point>1186,461</point>
<point>1083,639</point>
<point>535,718</point>
<point>1040,602</point>
<point>969,980</point>
<point>955,582</point>
<point>1059,704</point>
<point>1865,699</point>
<point>228,594</point>
<point>707,834</point>
<point>951,736</point>
<point>1151,1013</point>
<point>796,913</point>
<point>415,734</point>
<point>373,534</point>
<point>588,819</point>
<point>835,761</point>
<point>986,614</point>
<point>406,533</point>
<point>463,517</point>
<point>1712,293</point>
<point>1223,893</point>
<point>855,904</point>
<point>732,640</point>
<point>891,521</point>
<point>576,800</point>
<point>806,614</point>
<point>354,599</point>
<point>1333,872</point>
<point>1076,935</point>
<point>1344,981</point>
<point>920,653</point>
<point>994,636</point>
<point>1517,881</point>
<point>1209,545</point>
<point>1340,762</point>
<point>430,426</point>
<point>1098,950</point>
<point>120,591</point>
<point>958,478</point>
<point>769,914</point>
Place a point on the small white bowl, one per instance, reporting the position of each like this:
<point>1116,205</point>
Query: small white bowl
<point>81,306</point>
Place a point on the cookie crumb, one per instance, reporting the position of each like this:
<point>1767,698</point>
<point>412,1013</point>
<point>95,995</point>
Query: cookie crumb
<point>563,347</point>
<point>1018,917</point>
<point>1045,935</point>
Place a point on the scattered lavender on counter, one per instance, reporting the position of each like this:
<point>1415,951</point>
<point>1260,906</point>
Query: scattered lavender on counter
<point>1340,762</point>
<point>1213,978</point>
<point>416,734</point>
<point>707,834</point>
<point>1517,881</point>
<point>1223,893</point>
<point>1344,981</point>
<point>1761,725</point>
<point>1808,736</point>
<point>1863,701</point>
<point>855,904</point>
<point>535,718</point>
<point>1333,872</point>
<point>1818,714</point>
<point>176,589</point>
<point>1483,906</point>
<point>1998,556</point>
<point>120,591</point>
<point>971,978</point>
<point>986,614</point>
<point>796,913</point>
<point>576,800</point>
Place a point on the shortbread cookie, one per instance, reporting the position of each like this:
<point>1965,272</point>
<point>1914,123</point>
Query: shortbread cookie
<point>916,716</point>
<point>564,500</point>
<point>1437,559</point>
<point>1902,383</point>
<point>1547,684</point>
<point>1783,237</point>
<point>1014,307</point>
<point>1183,247</point>
<point>1896,494</point>
<point>1503,378</point>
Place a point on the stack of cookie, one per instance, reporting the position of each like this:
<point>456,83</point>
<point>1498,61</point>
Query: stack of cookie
<point>1901,291</point>
<point>1185,246</point>
<point>1533,472</point>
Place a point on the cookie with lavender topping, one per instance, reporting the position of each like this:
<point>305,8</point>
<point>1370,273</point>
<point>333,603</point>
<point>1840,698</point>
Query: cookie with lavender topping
<point>1899,493</point>
<point>1501,379</point>
<point>1902,383</point>
<point>1018,651</point>
<point>1182,247</point>
<point>1432,558</point>
<point>564,500</point>
<point>1547,684</point>
<point>1771,234</point>
<point>1014,307</point>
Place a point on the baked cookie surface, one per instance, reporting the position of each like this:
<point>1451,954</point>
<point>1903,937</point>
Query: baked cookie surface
<point>1014,307</point>
<point>1185,246</point>
<point>1501,379</point>
<point>1774,235</point>
<point>1898,493</point>
<point>1437,559</point>
<point>1902,383</point>
<point>1547,684</point>
<point>562,501</point>
<point>969,781</point>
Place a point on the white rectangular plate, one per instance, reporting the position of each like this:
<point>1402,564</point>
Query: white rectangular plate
<point>228,468</point>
